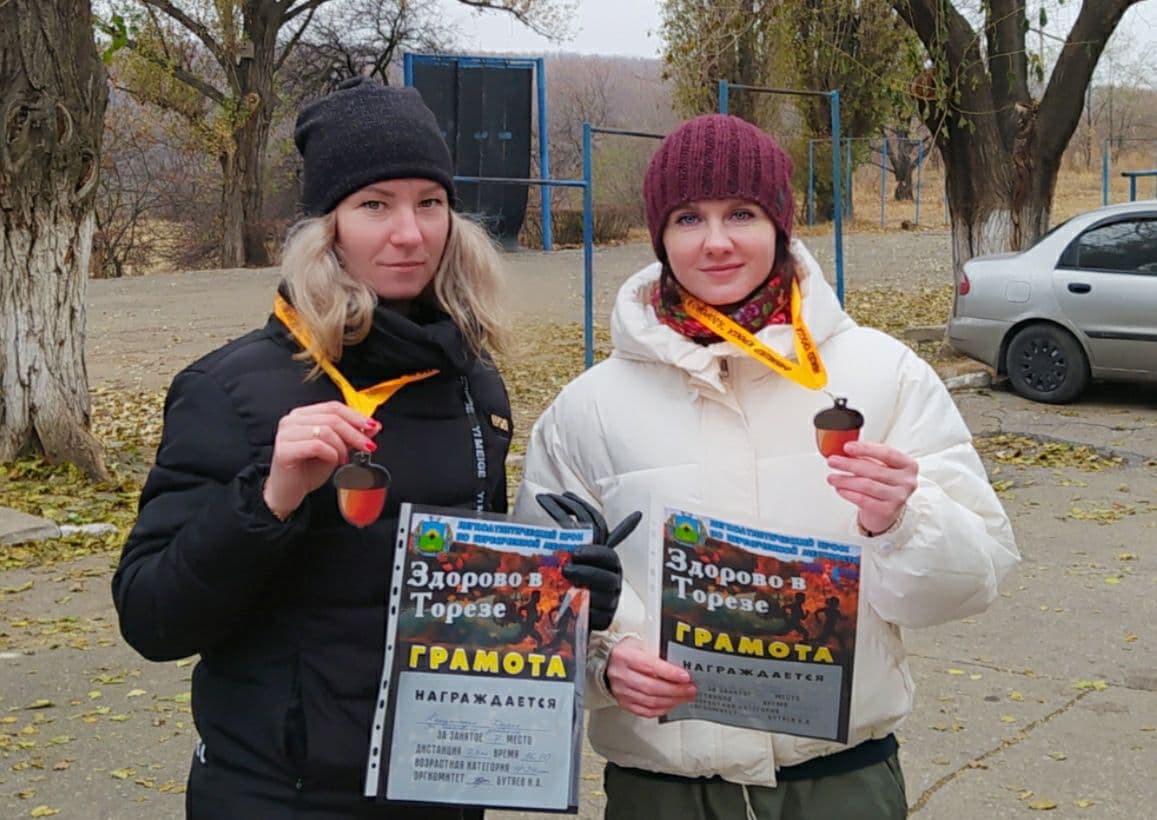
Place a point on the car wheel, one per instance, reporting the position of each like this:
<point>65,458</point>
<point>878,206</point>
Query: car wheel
<point>1045,363</point>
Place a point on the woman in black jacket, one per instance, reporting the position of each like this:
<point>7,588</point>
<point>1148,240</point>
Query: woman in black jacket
<point>241,553</point>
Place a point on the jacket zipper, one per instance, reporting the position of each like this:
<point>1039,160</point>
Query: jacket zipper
<point>724,371</point>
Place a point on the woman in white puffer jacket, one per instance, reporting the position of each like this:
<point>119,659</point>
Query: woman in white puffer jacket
<point>678,414</point>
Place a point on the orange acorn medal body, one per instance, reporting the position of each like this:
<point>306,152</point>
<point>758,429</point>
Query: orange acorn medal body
<point>361,489</point>
<point>836,426</point>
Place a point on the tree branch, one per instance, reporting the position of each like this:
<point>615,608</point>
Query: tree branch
<point>1060,108</point>
<point>201,32</point>
<point>184,75</point>
<point>307,6</point>
<point>954,48</point>
<point>938,25</point>
<point>520,11</point>
<point>1007,63</point>
<point>312,7</point>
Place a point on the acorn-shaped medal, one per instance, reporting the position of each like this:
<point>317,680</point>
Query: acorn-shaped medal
<point>836,426</point>
<point>361,489</point>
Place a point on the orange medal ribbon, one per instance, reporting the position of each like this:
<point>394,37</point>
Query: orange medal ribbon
<point>808,371</point>
<point>365,401</point>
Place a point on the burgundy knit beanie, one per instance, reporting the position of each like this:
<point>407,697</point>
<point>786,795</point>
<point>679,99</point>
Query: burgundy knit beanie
<point>717,156</point>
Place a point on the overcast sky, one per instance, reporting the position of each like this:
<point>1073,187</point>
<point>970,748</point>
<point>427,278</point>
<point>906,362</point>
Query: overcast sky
<point>631,27</point>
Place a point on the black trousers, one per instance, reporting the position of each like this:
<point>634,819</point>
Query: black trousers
<point>216,792</point>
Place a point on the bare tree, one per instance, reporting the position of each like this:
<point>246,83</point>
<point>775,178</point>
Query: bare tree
<point>904,155</point>
<point>363,38</point>
<point>247,42</point>
<point>141,175</point>
<point>52,100</point>
<point>1002,145</point>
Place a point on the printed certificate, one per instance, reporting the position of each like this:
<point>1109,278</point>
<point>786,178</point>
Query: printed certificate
<point>481,692</point>
<point>763,618</point>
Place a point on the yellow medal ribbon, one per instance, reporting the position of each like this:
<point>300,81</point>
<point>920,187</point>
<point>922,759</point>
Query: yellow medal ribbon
<point>808,372</point>
<point>365,401</point>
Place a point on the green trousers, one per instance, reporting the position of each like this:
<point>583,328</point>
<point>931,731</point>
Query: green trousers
<point>874,792</point>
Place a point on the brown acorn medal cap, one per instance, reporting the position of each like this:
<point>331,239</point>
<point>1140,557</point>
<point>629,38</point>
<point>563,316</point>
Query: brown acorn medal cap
<point>836,426</point>
<point>839,417</point>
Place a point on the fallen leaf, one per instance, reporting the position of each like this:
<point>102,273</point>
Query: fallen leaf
<point>1083,804</point>
<point>123,774</point>
<point>135,693</point>
<point>43,811</point>
<point>1042,805</point>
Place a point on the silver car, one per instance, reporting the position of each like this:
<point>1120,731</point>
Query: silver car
<point>1081,303</point>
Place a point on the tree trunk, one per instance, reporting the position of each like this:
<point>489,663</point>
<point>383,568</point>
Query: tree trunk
<point>251,149</point>
<point>902,170</point>
<point>232,212</point>
<point>243,196</point>
<point>52,106</point>
<point>1005,209</point>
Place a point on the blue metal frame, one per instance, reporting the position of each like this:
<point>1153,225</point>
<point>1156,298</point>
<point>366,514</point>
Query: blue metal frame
<point>834,97</point>
<point>536,64</point>
<point>1133,175</point>
<point>588,229</point>
<point>1106,163</point>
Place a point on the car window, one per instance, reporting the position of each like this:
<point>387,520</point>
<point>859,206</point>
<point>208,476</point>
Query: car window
<point>1129,245</point>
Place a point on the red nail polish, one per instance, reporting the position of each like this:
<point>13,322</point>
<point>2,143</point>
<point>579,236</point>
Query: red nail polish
<point>373,448</point>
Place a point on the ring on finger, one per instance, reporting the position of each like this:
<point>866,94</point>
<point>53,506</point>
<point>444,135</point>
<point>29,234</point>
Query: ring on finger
<point>316,432</point>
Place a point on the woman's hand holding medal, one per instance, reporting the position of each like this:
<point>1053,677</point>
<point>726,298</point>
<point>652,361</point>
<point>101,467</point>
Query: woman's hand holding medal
<point>311,442</point>
<point>878,479</point>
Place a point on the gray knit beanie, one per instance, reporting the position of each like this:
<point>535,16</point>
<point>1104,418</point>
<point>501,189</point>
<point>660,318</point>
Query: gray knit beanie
<point>362,133</point>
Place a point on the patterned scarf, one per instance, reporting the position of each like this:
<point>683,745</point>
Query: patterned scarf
<point>769,304</point>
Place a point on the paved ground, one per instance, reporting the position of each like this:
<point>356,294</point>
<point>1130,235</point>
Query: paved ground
<point>142,330</point>
<point>1048,700</point>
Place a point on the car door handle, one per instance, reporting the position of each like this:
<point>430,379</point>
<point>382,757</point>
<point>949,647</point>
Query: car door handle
<point>1079,287</point>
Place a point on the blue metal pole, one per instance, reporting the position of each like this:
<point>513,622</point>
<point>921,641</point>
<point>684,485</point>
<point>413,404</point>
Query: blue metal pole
<point>408,69</point>
<point>544,156</point>
<point>883,178</point>
<point>588,251</point>
<point>851,205</point>
<point>724,96</point>
<point>919,176</point>
<point>835,95</point>
<point>1105,172</point>
<point>811,182</point>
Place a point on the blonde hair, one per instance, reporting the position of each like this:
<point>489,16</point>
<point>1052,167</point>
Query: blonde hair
<point>337,309</point>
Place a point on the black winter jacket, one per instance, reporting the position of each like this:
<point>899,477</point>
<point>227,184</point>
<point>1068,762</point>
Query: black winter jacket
<point>289,618</point>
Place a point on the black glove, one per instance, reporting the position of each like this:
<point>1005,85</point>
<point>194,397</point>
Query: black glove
<point>594,566</point>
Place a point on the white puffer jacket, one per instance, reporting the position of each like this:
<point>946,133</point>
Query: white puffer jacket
<point>709,427</point>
